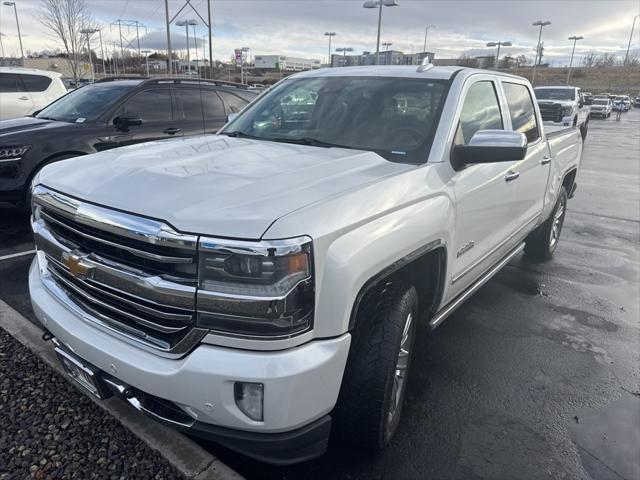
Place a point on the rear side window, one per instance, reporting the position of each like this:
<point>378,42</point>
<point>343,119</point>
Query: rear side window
<point>480,111</point>
<point>521,110</point>
<point>212,105</point>
<point>150,105</point>
<point>10,83</point>
<point>189,104</point>
<point>36,83</point>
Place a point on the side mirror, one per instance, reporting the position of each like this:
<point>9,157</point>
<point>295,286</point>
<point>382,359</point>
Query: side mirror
<point>123,122</point>
<point>232,116</point>
<point>489,146</point>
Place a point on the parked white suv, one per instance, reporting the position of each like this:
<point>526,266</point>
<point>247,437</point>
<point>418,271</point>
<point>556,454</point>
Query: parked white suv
<point>262,286</point>
<point>24,91</point>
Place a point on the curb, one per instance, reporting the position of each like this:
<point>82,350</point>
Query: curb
<point>186,456</point>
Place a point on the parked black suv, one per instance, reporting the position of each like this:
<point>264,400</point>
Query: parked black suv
<point>108,114</point>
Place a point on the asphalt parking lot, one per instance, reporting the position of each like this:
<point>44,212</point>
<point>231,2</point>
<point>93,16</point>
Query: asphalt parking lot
<point>537,376</point>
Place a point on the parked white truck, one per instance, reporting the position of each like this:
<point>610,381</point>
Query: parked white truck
<point>262,286</point>
<point>564,106</point>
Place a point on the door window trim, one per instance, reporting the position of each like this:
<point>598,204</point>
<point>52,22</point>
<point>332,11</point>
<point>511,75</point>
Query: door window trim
<point>536,109</point>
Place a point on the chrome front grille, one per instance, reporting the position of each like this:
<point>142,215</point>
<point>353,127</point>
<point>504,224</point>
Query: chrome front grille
<point>550,111</point>
<point>137,276</point>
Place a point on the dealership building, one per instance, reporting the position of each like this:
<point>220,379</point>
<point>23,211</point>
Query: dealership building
<point>388,57</point>
<point>282,62</point>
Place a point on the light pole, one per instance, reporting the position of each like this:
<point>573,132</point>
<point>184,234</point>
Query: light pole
<point>575,39</point>
<point>498,44</point>
<point>633,25</point>
<point>329,34</point>
<point>104,68</point>
<point>88,32</point>
<point>15,10</point>
<point>426,32</point>
<point>344,51</point>
<point>540,24</point>
<point>185,24</point>
<point>379,4</point>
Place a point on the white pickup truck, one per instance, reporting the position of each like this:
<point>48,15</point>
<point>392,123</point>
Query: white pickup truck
<point>564,106</point>
<point>261,287</point>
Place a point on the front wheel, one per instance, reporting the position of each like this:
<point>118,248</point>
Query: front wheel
<point>374,382</point>
<point>542,242</point>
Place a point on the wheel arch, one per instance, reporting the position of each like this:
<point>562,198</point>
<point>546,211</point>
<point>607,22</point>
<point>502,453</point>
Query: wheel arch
<point>50,159</point>
<point>424,268</point>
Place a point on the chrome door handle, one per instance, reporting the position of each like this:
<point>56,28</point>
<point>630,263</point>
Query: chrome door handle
<point>546,159</point>
<point>509,177</point>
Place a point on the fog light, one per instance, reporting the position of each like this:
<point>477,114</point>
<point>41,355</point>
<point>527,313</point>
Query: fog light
<point>250,399</point>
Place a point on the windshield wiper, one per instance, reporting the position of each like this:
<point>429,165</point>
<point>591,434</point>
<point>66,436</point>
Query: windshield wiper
<point>239,134</point>
<point>313,142</point>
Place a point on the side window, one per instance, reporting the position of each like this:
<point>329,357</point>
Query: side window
<point>36,83</point>
<point>212,105</point>
<point>521,110</point>
<point>10,83</point>
<point>233,102</point>
<point>189,104</point>
<point>480,111</point>
<point>150,105</point>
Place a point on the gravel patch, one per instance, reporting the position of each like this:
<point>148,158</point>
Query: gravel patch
<point>50,430</point>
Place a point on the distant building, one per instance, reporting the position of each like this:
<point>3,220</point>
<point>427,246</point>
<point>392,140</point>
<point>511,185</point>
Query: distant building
<point>284,63</point>
<point>387,57</point>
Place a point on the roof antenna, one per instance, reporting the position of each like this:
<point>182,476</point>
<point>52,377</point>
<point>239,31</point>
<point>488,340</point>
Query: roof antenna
<point>425,65</point>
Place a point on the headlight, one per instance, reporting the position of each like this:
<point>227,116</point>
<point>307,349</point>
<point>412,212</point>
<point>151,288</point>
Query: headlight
<point>257,289</point>
<point>12,154</point>
<point>566,111</point>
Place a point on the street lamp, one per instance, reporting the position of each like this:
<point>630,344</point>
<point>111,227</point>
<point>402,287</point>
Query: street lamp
<point>185,24</point>
<point>344,51</point>
<point>426,32</point>
<point>379,4</point>
<point>15,10</point>
<point>88,32</point>
<point>329,34</point>
<point>146,54</point>
<point>498,44</point>
<point>540,24</point>
<point>575,39</point>
<point>633,25</point>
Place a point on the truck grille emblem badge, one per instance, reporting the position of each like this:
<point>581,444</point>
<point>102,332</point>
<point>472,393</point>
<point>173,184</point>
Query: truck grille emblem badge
<point>76,265</point>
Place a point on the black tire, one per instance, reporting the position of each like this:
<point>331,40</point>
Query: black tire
<point>542,242</point>
<point>371,397</point>
<point>584,130</point>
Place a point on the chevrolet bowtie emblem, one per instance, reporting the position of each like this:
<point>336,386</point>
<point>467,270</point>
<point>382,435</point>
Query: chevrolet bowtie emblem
<point>77,265</point>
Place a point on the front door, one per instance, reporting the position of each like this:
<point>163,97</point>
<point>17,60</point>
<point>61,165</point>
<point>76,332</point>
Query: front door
<point>484,193</point>
<point>154,108</point>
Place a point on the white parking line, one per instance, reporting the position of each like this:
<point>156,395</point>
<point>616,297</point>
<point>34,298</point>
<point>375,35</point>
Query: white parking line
<point>15,255</point>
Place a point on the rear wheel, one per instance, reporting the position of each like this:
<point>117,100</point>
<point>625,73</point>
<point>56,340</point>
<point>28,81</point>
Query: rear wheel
<point>542,242</point>
<point>374,383</point>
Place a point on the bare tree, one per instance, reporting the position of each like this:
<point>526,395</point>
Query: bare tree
<point>521,60</point>
<point>589,60</point>
<point>467,61</point>
<point>605,60</point>
<point>65,19</point>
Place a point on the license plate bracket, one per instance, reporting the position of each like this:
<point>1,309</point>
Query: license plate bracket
<point>84,375</point>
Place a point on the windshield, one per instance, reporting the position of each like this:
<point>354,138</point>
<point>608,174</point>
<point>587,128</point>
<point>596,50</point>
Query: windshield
<point>600,102</point>
<point>86,103</point>
<point>394,117</point>
<point>555,93</point>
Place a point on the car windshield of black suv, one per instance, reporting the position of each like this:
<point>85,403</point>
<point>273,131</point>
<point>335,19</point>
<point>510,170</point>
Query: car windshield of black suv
<point>554,93</point>
<point>87,103</point>
<point>392,116</point>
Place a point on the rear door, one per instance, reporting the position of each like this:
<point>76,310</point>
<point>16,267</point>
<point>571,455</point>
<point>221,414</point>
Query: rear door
<point>16,102</point>
<point>534,169</point>
<point>154,106</point>
<point>188,103</point>
<point>485,192</point>
<point>37,87</point>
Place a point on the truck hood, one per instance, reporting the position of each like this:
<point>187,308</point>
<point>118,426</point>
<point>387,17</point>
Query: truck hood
<point>216,185</point>
<point>564,103</point>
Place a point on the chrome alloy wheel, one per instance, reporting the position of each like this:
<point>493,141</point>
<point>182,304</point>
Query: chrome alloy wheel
<point>402,363</point>
<point>557,225</point>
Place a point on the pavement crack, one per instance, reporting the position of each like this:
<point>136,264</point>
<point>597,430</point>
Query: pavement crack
<point>600,461</point>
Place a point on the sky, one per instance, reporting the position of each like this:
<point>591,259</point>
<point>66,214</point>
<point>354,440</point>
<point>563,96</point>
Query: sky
<point>296,27</point>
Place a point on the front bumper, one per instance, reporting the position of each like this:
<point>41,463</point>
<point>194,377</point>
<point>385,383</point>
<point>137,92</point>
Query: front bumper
<point>301,384</point>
